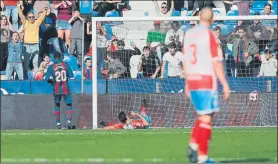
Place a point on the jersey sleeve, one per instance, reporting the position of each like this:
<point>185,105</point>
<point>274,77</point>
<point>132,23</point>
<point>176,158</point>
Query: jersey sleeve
<point>69,71</point>
<point>216,52</point>
<point>137,124</point>
<point>119,126</point>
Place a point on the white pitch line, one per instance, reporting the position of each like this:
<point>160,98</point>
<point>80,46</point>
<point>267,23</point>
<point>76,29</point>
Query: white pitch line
<point>80,133</point>
<point>124,160</point>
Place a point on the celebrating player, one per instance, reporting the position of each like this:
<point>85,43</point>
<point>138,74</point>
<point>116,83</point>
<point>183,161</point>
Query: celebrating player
<point>128,123</point>
<point>58,75</point>
<point>202,67</point>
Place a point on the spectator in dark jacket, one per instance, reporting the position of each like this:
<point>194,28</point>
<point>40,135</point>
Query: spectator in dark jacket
<point>124,55</point>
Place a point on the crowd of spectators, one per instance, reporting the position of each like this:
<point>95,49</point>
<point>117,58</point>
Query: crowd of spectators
<point>249,47</point>
<point>32,30</point>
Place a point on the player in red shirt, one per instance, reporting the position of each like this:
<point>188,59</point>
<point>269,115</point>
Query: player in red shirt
<point>143,122</point>
<point>202,67</point>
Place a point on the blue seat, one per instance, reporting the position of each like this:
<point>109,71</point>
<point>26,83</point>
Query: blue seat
<point>227,29</point>
<point>258,4</point>
<point>274,7</point>
<point>176,13</point>
<point>113,13</point>
<point>189,13</point>
<point>216,12</point>
<point>231,13</point>
<point>95,14</point>
<point>252,12</point>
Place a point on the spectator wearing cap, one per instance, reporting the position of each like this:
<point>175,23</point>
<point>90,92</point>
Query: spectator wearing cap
<point>124,55</point>
<point>156,39</point>
<point>269,64</point>
<point>164,12</point>
<point>174,60</point>
<point>31,38</point>
<point>149,64</point>
<point>175,35</point>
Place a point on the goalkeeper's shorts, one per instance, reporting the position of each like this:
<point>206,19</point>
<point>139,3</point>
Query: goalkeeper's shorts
<point>148,119</point>
<point>205,101</point>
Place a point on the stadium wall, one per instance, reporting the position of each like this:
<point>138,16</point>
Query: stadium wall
<point>36,111</point>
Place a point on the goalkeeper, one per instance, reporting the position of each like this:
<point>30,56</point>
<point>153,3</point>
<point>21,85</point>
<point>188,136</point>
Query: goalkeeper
<point>143,122</point>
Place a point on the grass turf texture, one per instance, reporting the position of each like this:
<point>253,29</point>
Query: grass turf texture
<point>160,145</point>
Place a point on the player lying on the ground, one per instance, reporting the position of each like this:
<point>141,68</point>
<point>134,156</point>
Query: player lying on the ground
<point>143,122</point>
<point>58,75</point>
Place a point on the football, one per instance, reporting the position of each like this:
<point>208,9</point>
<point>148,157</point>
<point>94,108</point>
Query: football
<point>253,96</point>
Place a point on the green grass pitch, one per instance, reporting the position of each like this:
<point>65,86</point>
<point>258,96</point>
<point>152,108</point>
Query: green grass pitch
<point>152,145</point>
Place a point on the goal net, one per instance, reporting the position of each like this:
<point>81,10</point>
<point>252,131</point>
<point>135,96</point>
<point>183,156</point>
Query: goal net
<point>249,46</point>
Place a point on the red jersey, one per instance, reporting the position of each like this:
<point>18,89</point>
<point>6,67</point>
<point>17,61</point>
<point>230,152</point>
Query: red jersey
<point>135,124</point>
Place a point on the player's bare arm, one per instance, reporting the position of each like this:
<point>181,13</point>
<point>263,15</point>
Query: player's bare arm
<point>219,71</point>
<point>145,123</point>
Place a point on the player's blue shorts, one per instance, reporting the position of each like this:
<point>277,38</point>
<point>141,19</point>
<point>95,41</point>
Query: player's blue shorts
<point>205,101</point>
<point>148,119</point>
<point>67,98</point>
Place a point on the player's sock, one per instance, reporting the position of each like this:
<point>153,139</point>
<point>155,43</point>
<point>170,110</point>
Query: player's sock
<point>143,110</point>
<point>69,113</point>
<point>194,134</point>
<point>57,114</point>
<point>203,140</point>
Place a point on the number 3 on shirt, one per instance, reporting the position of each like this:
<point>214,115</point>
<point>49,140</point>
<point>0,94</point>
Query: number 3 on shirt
<point>61,76</point>
<point>193,51</point>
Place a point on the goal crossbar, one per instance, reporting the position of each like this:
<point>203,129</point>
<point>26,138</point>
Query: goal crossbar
<point>192,18</point>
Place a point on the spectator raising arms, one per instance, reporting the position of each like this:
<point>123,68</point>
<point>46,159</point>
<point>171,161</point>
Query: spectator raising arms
<point>31,38</point>
<point>6,28</point>
<point>14,59</point>
<point>11,11</point>
<point>62,25</point>
<point>76,36</point>
<point>164,13</point>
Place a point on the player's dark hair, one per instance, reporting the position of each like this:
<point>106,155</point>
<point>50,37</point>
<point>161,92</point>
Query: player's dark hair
<point>122,117</point>
<point>217,28</point>
<point>146,48</point>
<point>121,43</point>
<point>57,55</point>
<point>242,28</point>
<point>267,4</point>
<point>87,59</point>
<point>46,54</point>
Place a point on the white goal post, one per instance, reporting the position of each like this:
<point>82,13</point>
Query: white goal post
<point>138,19</point>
